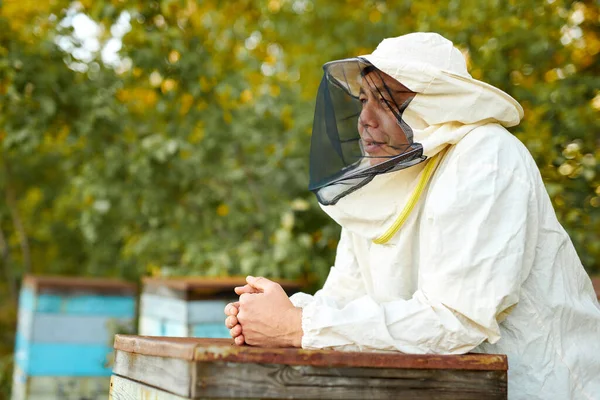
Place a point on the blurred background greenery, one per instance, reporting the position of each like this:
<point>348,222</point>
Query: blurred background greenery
<point>171,137</point>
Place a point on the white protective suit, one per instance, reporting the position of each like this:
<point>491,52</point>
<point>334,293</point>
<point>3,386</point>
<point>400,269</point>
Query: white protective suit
<point>481,264</point>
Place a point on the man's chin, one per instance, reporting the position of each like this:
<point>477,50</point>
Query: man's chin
<point>377,159</point>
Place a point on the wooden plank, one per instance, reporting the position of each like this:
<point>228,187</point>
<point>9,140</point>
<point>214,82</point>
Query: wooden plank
<point>172,375</point>
<point>27,299</point>
<point>25,323</point>
<point>187,312</point>
<point>65,284</point>
<point>243,380</point>
<point>182,348</point>
<point>51,359</point>
<point>69,386</point>
<point>330,358</point>
<point>113,306</point>
<point>224,350</point>
<point>149,326</point>
<point>19,384</point>
<point>125,389</point>
<point>175,329</point>
<point>77,329</point>
<point>201,311</point>
<point>58,388</point>
<point>51,396</point>
<point>108,305</point>
<point>214,368</point>
<point>163,308</point>
<point>21,355</point>
<point>235,380</point>
<point>206,330</point>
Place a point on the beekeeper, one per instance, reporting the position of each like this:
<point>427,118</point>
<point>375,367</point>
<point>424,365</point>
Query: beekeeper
<point>449,241</point>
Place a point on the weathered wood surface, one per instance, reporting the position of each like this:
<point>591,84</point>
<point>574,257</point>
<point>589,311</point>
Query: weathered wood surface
<point>209,350</point>
<point>173,375</point>
<point>235,380</point>
<point>61,388</point>
<point>64,334</point>
<point>215,368</point>
<point>125,389</point>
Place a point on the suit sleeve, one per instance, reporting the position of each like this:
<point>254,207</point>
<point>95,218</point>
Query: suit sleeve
<point>477,241</point>
<point>344,282</point>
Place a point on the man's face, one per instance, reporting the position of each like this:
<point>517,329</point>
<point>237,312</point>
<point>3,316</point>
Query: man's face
<point>380,135</point>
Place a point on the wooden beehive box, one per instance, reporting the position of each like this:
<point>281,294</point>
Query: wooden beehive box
<point>65,331</point>
<point>189,368</point>
<point>189,306</point>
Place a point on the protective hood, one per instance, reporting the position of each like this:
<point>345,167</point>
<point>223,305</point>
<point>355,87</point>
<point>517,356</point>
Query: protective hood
<point>447,104</point>
<point>358,129</point>
<point>446,94</point>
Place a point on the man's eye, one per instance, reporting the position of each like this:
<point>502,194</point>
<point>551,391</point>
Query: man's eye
<point>383,100</point>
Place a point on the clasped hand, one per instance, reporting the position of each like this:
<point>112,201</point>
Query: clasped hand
<point>264,316</point>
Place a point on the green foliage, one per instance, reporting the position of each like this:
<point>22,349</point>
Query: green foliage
<point>192,158</point>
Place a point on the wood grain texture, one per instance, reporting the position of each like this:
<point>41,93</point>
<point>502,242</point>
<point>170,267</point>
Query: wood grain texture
<point>247,380</point>
<point>235,380</point>
<point>102,396</point>
<point>182,348</point>
<point>172,375</point>
<point>125,389</point>
<point>208,350</point>
<point>61,388</point>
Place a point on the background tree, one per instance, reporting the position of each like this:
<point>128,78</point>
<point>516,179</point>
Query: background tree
<point>188,154</point>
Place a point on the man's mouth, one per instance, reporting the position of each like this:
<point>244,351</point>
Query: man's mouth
<point>371,146</point>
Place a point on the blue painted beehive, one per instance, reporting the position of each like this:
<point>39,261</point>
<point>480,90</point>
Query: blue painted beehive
<point>64,336</point>
<point>190,306</point>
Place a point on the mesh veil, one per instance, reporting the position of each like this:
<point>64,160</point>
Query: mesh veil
<point>358,130</point>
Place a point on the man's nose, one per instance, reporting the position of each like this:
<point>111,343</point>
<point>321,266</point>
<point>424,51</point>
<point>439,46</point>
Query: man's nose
<point>368,116</point>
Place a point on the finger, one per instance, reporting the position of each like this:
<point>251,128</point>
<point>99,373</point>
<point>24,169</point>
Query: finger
<point>231,321</point>
<point>245,299</point>
<point>245,289</point>
<point>232,308</point>
<point>235,331</point>
<point>260,283</point>
<point>239,340</point>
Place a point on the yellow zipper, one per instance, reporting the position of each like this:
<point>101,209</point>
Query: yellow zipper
<point>414,198</point>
